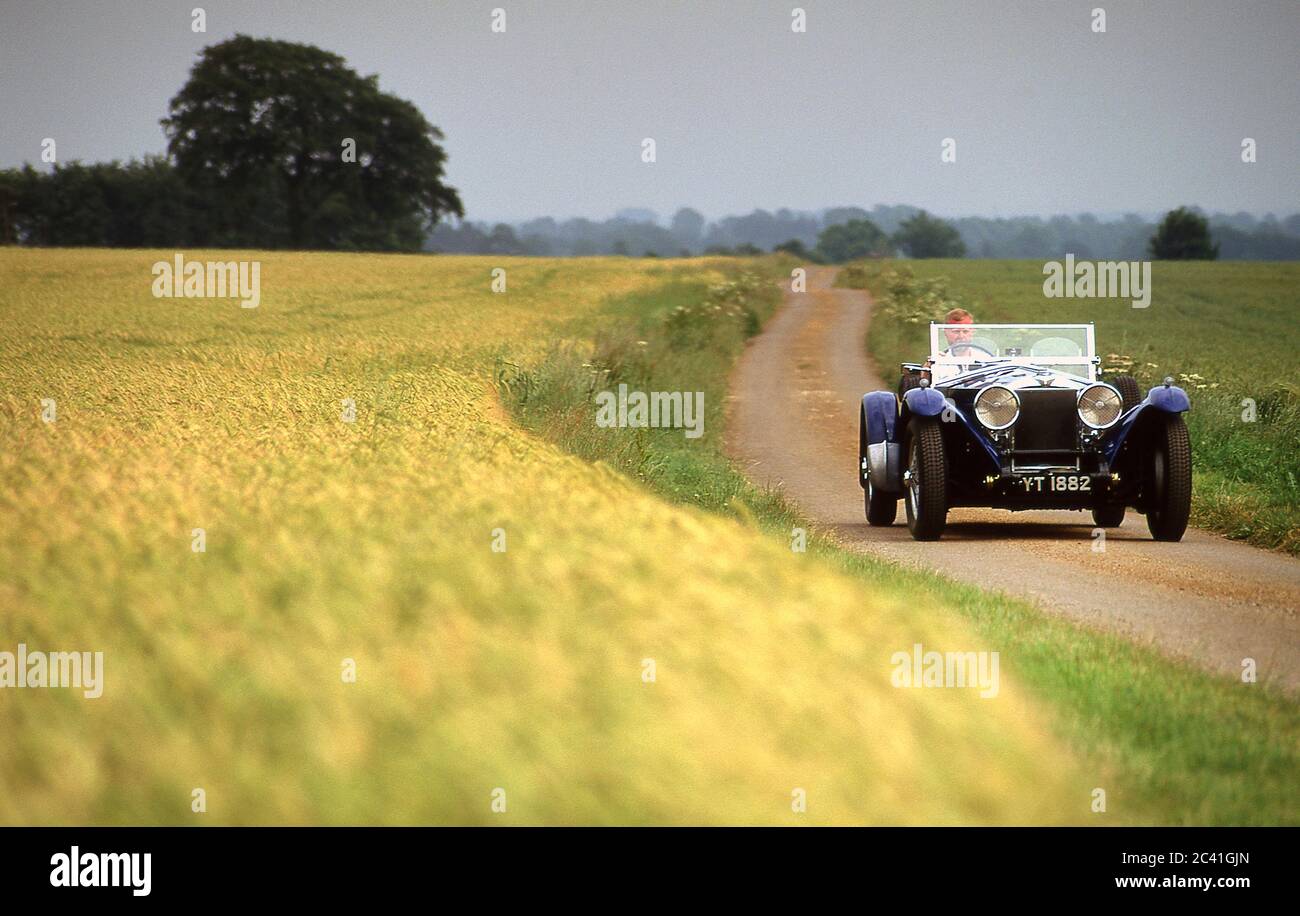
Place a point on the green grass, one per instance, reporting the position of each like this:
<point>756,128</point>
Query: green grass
<point>1168,742</point>
<point>635,344</point>
<point>1226,331</point>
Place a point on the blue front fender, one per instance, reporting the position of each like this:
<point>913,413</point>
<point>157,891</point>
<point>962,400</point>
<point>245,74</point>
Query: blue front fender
<point>881,410</point>
<point>1169,398</point>
<point>880,449</point>
<point>927,402</point>
<point>1160,399</point>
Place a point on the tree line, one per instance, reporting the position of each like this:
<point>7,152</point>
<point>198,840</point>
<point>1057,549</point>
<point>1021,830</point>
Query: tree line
<point>847,233</point>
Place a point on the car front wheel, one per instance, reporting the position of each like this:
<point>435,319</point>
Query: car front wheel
<point>1169,480</point>
<point>908,381</point>
<point>925,481</point>
<point>1129,391</point>
<point>882,508</point>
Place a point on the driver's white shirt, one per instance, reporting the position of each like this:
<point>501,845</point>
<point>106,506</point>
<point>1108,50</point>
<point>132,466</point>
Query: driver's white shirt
<point>965,366</point>
<point>948,370</point>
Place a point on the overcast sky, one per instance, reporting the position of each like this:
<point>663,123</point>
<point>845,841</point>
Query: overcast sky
<point>548,118</point>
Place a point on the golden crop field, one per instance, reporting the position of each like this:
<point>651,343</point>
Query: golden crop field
<point>371,541</point>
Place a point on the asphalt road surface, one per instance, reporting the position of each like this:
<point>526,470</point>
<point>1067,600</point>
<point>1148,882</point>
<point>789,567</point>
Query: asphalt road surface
<point>793,424</point>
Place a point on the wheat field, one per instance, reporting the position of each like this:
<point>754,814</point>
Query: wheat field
<point>332,546</point>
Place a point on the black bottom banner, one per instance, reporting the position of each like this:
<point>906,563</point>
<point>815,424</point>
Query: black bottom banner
<point>333,865</point>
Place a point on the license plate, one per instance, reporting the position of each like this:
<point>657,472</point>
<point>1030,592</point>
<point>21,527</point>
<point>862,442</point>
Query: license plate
<point>1056,483</point>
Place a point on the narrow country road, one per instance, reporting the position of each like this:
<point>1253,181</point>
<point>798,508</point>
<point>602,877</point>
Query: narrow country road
<point>793,425</point>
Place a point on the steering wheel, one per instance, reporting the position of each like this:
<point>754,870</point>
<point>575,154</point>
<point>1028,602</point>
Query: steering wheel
<point>969,346</point>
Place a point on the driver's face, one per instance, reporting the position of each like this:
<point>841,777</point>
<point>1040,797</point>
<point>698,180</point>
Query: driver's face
<point>959,335</point>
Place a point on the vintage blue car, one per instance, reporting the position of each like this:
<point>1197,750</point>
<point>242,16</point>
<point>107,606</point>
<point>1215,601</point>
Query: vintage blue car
<point>1016,417</point>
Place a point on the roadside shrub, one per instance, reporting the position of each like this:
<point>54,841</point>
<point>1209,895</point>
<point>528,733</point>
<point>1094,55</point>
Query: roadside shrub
<point>857,276</point>
<point>727,308</point>
<point>912,301</point>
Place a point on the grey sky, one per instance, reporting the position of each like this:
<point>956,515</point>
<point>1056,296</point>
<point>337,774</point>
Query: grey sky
<point>548,118</point>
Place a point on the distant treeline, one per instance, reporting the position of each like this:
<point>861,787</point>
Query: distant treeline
<point>140,204</point>
<point>1240,236</point>
<point>148,203</point>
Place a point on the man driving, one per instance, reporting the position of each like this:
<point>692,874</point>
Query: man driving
<point>957,337</point>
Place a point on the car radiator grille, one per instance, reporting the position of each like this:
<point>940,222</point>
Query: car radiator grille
<point>1047,420</point>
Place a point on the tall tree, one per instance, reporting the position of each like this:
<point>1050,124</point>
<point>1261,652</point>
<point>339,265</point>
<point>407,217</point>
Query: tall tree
<point>1183,235</point>
<point>288,146</point>
<point>923,236</point>
<point>857,238</point>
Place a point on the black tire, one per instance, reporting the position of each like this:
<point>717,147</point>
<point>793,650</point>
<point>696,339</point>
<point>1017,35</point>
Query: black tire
<point>1169,480</point>
<point>906,383</point>
<point>1129,391</point>
<point>882,508</point>
<point>1108,516</point>
<point>926,491</point>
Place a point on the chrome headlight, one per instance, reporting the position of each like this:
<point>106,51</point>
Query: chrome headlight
<point>997,407</point>
<point>1100,406</point>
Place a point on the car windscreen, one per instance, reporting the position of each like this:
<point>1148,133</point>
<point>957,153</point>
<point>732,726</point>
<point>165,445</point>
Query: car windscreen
<point>1064,348</point>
